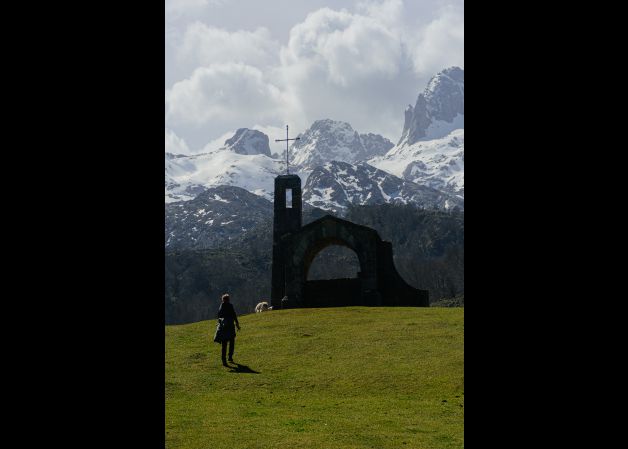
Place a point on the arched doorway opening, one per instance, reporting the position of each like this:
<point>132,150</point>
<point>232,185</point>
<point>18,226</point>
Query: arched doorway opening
<point>334,262</point>
<point>332,271</point>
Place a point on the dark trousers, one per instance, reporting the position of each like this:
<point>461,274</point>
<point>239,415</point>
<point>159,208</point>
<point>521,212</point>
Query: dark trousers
<point>231,348</point>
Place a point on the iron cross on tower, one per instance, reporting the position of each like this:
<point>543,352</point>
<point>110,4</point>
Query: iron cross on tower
<point>286,139</point>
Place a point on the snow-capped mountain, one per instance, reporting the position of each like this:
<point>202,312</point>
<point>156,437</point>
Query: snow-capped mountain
<point>215,215</point>
<point>244,161</point>
<point>330,140</point>
<point>437,163</point>
<point>374,144</point>
<point>438,110</point>
<point>220,215</point>
<point>431,149</point>
<point>429,154</point>
<point>336,185</point>
<point>248,141</point>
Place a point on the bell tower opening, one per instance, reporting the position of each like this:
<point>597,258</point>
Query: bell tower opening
<point>289,198</point>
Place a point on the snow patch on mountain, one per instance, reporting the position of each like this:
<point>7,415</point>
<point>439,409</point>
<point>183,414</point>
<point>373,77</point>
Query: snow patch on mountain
<point>329,140</point>
<point>439,129</point>
<point>187,176</point>
<point>214,216</point>
<point>437,163</point>
<point>336,185</point>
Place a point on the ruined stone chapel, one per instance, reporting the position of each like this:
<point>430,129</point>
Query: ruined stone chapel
<point>295,246</point>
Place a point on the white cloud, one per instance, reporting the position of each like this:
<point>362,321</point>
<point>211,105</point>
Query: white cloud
<point>203,46</point>
<point>388,11</point>
<point>351,67</point>
<point>175,144</point>
<point>226,96</point>
<point>182,7</point>
<point>441,43</point>
<point>362,66</point>
<point>218,142</point>
<point>347,46</point>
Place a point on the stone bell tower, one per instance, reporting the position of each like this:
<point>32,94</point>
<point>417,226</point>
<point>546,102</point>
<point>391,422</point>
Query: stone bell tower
<point>287,219</point>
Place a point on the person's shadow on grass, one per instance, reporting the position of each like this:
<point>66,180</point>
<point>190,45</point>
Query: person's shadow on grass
<point>242,369</point>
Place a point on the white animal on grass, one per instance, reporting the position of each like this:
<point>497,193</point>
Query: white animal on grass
<point>261,307</point>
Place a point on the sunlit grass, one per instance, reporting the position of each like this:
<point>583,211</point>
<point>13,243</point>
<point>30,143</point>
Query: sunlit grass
<point>354,377</point>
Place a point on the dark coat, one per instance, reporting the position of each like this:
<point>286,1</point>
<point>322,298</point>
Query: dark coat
<point>227,319</point>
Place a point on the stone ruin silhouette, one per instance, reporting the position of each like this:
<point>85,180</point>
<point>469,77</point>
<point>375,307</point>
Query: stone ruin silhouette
<point>295,247</point>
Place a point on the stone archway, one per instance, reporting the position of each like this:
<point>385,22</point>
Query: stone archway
<point>378,282</point>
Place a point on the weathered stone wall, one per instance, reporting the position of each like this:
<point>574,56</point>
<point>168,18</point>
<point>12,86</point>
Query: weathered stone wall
<point>378,282</point>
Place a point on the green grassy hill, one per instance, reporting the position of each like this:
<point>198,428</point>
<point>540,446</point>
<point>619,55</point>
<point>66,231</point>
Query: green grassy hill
<point>354,377</point>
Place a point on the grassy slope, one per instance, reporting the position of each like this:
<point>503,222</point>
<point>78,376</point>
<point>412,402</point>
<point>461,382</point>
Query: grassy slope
<point>353,377</point>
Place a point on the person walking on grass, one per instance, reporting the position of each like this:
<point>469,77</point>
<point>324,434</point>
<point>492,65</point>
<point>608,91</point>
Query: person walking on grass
<point>225,332</point>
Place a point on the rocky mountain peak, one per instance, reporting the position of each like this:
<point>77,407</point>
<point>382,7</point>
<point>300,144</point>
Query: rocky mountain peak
<point>330,140</point>
<point>439,109</point>
<point>248,141</point>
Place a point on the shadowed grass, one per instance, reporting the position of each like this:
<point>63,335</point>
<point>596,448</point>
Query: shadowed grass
<point>351,377</point>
